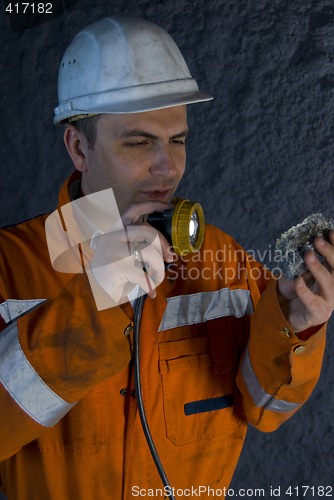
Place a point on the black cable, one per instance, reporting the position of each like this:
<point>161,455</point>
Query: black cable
<point>141,409</point>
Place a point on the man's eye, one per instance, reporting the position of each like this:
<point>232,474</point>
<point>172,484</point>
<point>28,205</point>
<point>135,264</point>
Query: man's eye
<point>179,142</point>
<point>136,144</point>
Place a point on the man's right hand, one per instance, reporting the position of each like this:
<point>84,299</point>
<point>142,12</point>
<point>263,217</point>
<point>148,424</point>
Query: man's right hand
<point>135,255</point>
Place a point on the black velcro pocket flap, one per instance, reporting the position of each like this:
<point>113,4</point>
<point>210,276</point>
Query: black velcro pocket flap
<point>206,405</point>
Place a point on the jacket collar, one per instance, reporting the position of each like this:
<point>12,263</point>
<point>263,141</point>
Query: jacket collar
<point>71,189</point>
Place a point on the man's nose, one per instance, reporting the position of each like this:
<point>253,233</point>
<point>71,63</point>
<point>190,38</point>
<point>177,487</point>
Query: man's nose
<point>164,163</point>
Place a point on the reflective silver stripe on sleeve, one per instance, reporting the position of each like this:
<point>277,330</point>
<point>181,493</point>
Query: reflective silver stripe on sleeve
<point>25,385</point>
<point>13,308</point>
<point>204,306</point>
<point>259,396</point>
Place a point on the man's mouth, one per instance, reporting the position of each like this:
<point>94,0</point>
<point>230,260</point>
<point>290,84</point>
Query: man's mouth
<point>158,194</point>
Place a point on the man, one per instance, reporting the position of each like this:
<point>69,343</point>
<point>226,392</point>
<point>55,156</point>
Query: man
<point>209,364</point>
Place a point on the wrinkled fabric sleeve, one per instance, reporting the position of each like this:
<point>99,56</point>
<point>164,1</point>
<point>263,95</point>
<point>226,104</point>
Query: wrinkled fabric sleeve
<point>51,356</point>
<point>278,370</point>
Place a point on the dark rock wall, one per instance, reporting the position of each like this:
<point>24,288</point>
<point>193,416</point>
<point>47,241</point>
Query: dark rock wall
<point>259,155</point>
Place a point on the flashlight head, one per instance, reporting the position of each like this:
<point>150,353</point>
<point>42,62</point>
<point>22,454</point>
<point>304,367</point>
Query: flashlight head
<point>183,226</point>
<point>187,227</point>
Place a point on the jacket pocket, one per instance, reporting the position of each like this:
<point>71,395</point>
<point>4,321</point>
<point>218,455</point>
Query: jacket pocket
<point>198,403</point>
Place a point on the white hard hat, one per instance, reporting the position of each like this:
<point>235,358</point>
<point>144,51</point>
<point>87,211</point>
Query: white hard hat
<point>123,64</point>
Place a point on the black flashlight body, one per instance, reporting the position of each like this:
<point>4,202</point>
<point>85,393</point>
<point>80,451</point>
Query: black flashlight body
<point>162,222</point>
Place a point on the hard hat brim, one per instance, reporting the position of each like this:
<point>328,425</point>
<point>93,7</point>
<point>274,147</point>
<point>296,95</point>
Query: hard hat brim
<point>84,105</point>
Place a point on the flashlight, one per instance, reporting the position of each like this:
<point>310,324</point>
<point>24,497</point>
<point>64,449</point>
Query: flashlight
<point>183,226</point>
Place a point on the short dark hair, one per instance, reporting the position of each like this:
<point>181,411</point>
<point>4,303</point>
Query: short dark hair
<point>87,126</point>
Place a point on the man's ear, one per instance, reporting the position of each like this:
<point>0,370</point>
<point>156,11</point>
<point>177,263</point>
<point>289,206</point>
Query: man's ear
<point>77,147</point>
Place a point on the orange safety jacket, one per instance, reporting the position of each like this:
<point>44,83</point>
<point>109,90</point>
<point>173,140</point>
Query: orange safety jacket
<point>69,425</point>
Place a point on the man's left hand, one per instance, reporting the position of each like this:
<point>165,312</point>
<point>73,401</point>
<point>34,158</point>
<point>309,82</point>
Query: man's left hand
<point>308,300</point>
